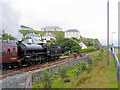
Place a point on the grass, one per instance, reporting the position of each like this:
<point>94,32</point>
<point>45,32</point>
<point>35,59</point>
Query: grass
<point>58,82</point>
<point>98,75</point>
<point>63,56</point>
<point>101,75</point>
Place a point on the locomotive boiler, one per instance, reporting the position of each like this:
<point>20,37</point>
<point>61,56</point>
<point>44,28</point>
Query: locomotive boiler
<point>20,53</point>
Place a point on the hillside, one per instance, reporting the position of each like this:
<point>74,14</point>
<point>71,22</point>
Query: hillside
<point>57,34</point>
<point>61,35</point>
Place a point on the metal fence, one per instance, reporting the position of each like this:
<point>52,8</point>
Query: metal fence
<point>117,66</point>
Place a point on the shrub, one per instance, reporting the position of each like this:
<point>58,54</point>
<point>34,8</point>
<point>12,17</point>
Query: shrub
<point>87,49</point>
<point>47,79</point>
<point>81,67</point>
<point>63,72</point>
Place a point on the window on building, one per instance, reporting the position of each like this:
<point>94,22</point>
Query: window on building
<point>73,33</point>
<point>8,51</point>
<point>66,34</point>
<point>2,51</point>
<point>14,52</point>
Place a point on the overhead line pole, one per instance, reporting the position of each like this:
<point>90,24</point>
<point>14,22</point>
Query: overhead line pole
<point>107,32</point>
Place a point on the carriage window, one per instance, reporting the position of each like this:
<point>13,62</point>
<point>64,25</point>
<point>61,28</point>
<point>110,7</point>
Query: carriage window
<point>8,52</point>
<point>2,51</point>
<point>14,51</point>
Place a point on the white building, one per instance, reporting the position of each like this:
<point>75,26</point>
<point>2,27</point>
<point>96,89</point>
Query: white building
<point>48,36</point>
<point>72,33</point>
<point>51,28</point>
<point>33,35</point>
<point>83,45</point>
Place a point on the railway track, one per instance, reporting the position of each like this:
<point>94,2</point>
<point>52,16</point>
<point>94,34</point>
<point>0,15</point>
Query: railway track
<point>26,69</point>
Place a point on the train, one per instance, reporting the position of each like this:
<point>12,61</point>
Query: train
<point>20,53</point>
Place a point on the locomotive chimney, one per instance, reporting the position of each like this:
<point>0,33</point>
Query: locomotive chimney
<point>19,42</point>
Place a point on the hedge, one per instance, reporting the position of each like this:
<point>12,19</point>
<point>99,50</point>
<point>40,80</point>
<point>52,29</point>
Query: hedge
<point>88,49</point>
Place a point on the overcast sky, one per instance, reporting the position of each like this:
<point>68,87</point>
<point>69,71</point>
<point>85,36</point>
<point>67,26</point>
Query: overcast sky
<point>88,16</point>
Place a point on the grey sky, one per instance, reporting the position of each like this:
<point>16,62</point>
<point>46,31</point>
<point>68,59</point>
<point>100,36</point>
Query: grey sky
<point>88,16</point>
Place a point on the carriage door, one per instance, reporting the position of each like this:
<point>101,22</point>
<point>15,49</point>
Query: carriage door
<point>8,54</point>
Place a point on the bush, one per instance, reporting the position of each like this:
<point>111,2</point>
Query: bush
<point>63,72</point>
<point>47,79</point>
<point>99,55</point>
<point>87,49</point>
<point>81,67</point>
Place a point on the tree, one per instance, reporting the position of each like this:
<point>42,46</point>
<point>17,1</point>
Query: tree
<point>5,36</point>
<point>68,45</point>
<point>25,26</point>
<point>76,49</point>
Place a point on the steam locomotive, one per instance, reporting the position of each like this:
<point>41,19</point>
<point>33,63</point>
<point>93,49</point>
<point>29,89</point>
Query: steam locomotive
<point>20,53</point>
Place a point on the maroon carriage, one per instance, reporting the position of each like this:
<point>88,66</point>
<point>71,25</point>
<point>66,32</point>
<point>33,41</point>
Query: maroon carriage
<point>8,53</point>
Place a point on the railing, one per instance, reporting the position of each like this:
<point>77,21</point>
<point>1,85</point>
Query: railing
<point>117,66</point>
<point>115,60</point>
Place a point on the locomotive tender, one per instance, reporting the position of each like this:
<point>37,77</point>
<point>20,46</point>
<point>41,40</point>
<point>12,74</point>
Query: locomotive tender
<point>20,53</point>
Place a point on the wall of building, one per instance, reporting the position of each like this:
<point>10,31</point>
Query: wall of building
<point>72,34</point>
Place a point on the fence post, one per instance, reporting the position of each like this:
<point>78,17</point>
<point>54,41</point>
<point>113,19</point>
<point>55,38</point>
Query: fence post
<point>118,76</point>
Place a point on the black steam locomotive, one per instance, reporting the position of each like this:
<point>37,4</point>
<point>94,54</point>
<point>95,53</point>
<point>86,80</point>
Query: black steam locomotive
<point>19,53</point>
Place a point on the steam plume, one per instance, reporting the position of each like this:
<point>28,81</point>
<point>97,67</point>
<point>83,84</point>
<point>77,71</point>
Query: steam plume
<point>10,19</point>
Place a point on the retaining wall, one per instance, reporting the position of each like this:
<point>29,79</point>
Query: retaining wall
<point>25,80</point>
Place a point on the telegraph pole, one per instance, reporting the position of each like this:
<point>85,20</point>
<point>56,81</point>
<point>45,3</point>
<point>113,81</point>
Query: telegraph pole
<point>107,32</point>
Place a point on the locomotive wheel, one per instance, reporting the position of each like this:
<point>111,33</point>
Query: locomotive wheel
<point>39,62</point>
<point>58,57</point>
<point>53,58</point>
<point>1,67</point>
<point>49,59</point>
<point>19,65</point>
<point>30,63</point>
<point>44,61</point>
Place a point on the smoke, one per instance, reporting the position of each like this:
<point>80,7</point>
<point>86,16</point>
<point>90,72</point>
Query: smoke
<point>10,19</point>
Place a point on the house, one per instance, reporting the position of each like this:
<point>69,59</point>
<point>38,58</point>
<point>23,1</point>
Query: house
<point>72,33</point>
<point>33,35</point>
<point>82,44</point>
<point>51,28</point>
<point>48,36</point>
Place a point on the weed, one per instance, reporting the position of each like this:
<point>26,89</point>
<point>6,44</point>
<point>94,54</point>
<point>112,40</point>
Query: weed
<point>63,72</point>
<point>47,79</point>
<point>83,80</point>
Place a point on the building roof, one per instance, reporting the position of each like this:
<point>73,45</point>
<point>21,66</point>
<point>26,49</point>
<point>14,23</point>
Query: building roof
<point>51,27</point>
<point>82,42</point>
<point>72,30</point>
